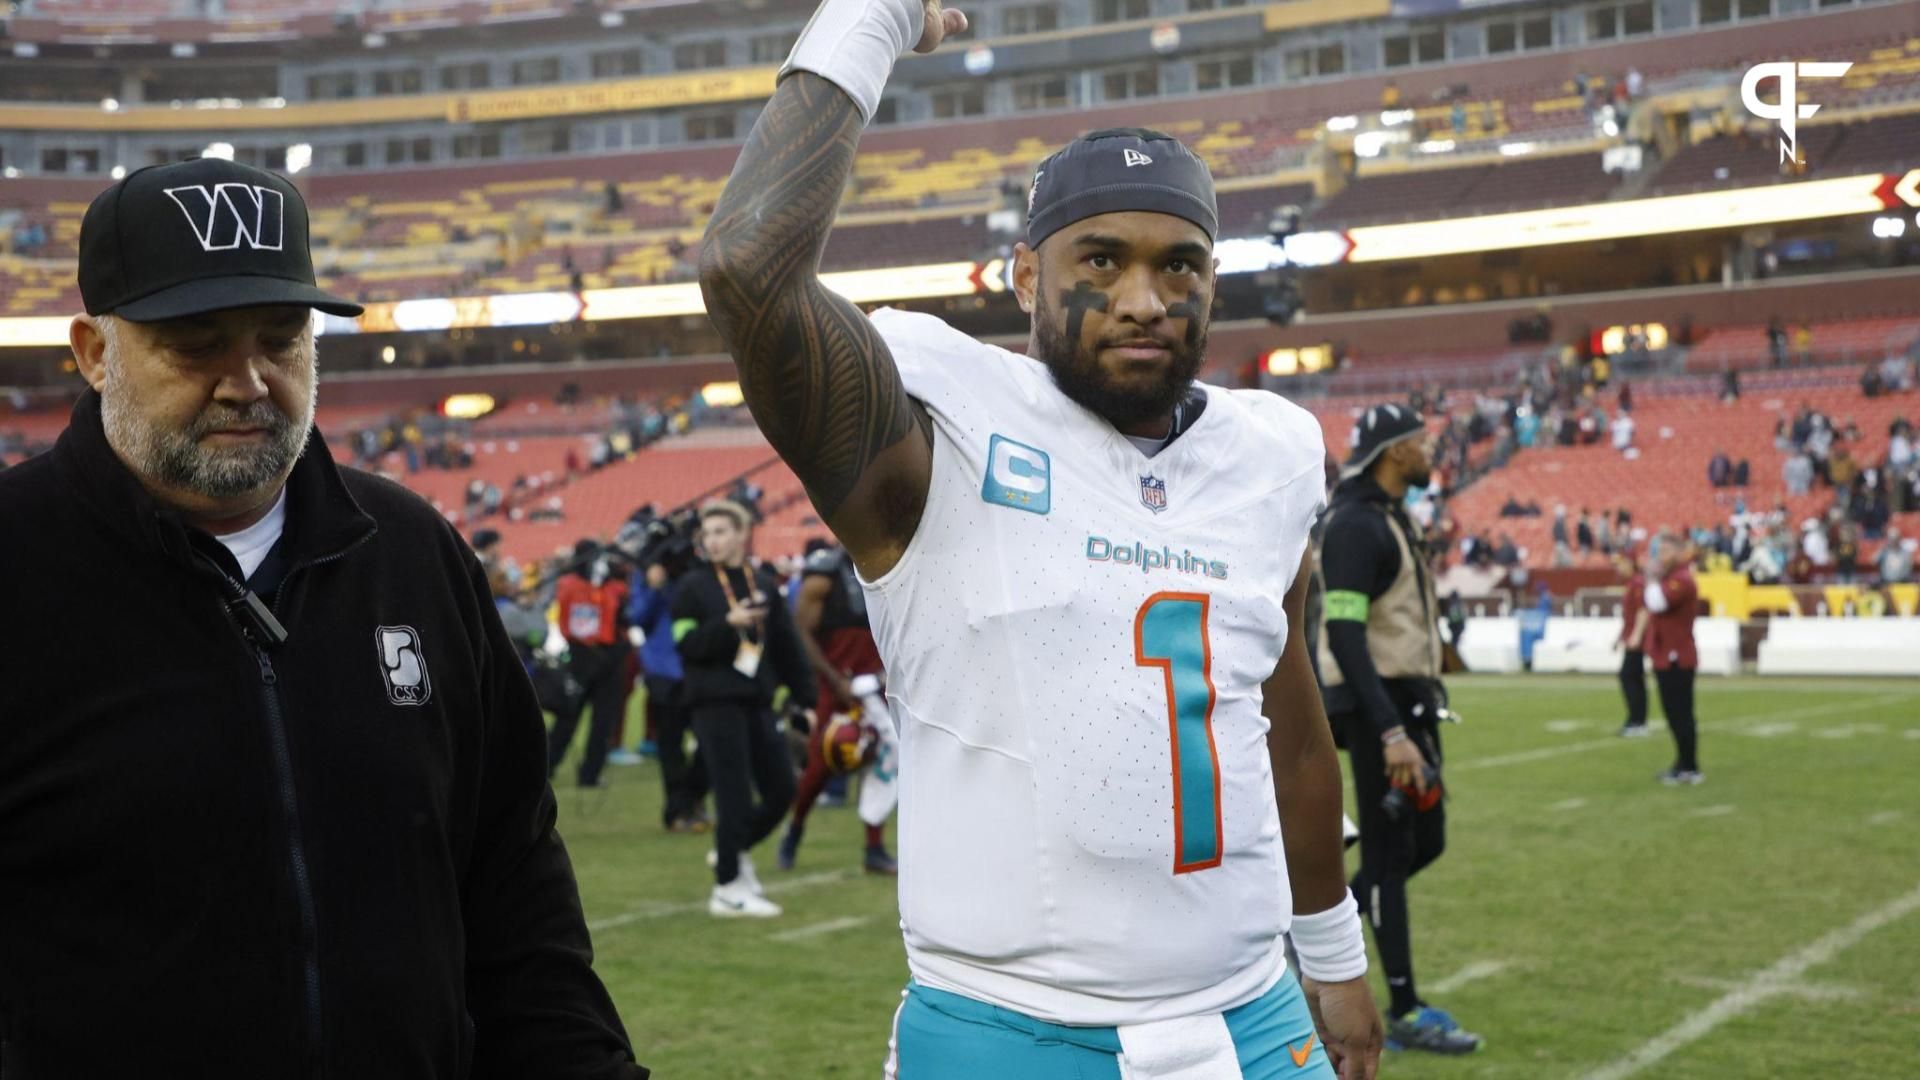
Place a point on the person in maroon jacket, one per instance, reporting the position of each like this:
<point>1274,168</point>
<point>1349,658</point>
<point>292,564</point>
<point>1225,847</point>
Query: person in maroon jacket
<point>1671,598</point>
<point>1631,643</point>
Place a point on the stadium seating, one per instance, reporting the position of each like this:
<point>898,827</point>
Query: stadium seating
<point>1745,348</point>
<point>1667,484</point>
<point>1422,194</point>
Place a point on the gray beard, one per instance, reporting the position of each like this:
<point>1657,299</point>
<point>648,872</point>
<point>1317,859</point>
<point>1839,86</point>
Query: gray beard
<point>177,459</point>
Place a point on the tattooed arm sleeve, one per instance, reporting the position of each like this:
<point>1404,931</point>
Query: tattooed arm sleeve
<point>816,374</point>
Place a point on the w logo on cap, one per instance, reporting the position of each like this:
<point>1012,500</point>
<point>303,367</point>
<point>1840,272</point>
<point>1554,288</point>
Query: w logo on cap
<point>227,215</point>
<point>1135,157</point>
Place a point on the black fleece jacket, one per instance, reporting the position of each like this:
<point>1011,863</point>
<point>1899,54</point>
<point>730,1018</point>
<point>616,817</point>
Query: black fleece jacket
<point>708,643</point>
<point>219,857</point>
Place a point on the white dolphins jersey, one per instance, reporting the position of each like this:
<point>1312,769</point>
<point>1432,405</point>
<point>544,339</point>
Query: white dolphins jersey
<point>1075,641</point>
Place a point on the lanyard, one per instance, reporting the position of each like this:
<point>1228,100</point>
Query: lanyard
<point>732,601</point>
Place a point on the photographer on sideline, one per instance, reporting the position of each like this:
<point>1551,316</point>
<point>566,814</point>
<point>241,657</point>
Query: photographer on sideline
<point>592,601</point>
<point>737,643</point>
<point>1380,666</point>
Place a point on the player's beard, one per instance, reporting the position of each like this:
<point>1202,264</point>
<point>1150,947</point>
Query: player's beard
<point>177,458</point>
<point>1078,374</point>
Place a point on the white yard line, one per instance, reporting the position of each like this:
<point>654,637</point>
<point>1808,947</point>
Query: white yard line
<point>1742,684</point>
<point>1884,817</point>
<point>1738,725</point>
<point>1721,810</point>
<point>1806,991</point>
<point>1474,972</point>
<point>1568,804</point>
<point>662,910</point>
<point>830,926</point>
<point>1779,979</point>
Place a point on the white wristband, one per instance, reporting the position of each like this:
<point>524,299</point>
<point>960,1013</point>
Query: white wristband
<point>853,44</point>
<point>1329,943</point>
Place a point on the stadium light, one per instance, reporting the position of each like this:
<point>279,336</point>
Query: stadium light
<point>118,172</point>
<point>1369,143</point>
<point>1889,228</point>
<point>387,354</point>
<point>612,20</point>
<point>1436,146</point>
<point>1343,123</point>
<point>221,150</point>
<point>109,105</point>
<point>1515,149</point>
<point>10,172</point>
<point>184,50</point>
<point>25,50</point>
<point>299,156</point>
<point>1393,117</point>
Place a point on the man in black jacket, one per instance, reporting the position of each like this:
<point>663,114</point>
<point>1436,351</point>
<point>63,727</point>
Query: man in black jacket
<point>291,821</point>
<point>738,643</point>
<point>1380,665</point>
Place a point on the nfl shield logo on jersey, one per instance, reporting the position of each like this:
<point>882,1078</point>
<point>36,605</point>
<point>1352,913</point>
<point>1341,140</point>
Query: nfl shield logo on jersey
<point>1153,493</point>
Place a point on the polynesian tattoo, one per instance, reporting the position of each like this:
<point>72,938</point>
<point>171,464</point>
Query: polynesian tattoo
<point>816,375</point>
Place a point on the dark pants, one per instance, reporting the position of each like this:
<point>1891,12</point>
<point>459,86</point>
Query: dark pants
<point>683,776</point>
<point>1676,700</point>
<point>746,755</point>
<point>600,671</point>
<point>1633,685</point>
<point>1391,851</point>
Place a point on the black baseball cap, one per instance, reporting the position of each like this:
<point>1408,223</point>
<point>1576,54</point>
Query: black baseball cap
<point>197,236</point>
<point>1116,170</point>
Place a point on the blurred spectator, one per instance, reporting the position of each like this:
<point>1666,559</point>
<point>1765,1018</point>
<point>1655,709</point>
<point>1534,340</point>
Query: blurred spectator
<point>1560,537</point>
<point>1803,343</point>
<point>1896,561</point>
<point>1623,432</point>
<point>1841,467</point>
<point>1846,553</point>
<point>1814,544</point>
<point>1776,342</point>
<point>1506,553</point>
<point>1626,396</point>
<point>1583,532</point>
<point>1719,470</point>
<point>1871,384</point>
<point>1729,386</point>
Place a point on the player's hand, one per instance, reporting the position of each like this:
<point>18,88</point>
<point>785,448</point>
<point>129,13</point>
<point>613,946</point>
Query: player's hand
<point>940,25</point>
<point>1618,644</point>
<point>741,617</point>
<point>1349,1025</point>
<point>843,694</point>
<point>1405,766</point>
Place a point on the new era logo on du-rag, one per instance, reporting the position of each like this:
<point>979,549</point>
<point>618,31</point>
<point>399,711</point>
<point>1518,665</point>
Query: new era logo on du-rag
<point>228,215</point>
<point>1789,112</point>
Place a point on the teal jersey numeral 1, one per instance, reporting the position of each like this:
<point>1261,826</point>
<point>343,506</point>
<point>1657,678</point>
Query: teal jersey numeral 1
<point>1170,633</point>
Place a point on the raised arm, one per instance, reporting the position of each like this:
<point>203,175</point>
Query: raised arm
<point>816,374</point>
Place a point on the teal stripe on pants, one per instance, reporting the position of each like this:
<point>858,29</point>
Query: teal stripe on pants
<point>945,1036</point>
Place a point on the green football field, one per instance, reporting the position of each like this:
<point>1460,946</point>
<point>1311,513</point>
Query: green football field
<point>1586,921</point>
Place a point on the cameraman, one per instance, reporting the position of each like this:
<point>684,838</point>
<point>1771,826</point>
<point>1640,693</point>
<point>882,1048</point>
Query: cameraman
<point>737,642</point>
<point>1380,665</point>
